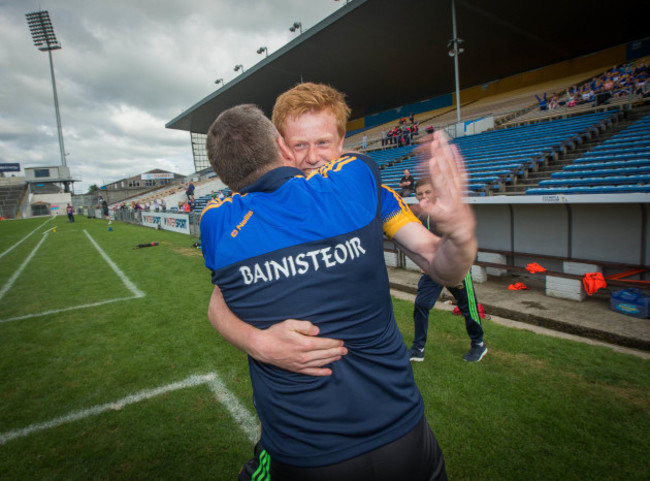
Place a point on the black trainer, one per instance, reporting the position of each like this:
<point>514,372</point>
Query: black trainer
<point>476,353</point>
<point>416,355</point>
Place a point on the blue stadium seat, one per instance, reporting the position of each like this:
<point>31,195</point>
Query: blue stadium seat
<point>620,164</point>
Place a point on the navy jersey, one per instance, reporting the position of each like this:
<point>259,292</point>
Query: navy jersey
<point>311,248</point>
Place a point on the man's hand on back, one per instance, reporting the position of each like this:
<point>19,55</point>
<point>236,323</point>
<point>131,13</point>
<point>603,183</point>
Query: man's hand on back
<point>293,345</point>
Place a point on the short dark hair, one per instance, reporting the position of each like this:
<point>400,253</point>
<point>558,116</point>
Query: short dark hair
<point>241,145</point>
<point>423,181</point>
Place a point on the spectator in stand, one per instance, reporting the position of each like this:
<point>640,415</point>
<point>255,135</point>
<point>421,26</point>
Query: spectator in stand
<point>156,205</point>
<point>571,94</point>
<point>70,211</point>
<point>407,184</point>
<point>624,85</point>
<point>639,84</point>
<point>641,71</point>
<point>221,195</point>
<point>595,85</point>
<point>189,190</point>
<point>364,142</point>
<point>186,207</point>
<point>605,89</point>
<point>554,103</point>
<point>384,138</point>
<point>192,204</point>
<point>543,102</point>
<point>586,95</point>
<point>397,133</point>
<point>163,204</point>
<point>407,135</point>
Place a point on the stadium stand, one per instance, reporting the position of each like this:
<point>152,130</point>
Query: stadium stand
<point>619,164</point>
<point>10,198</point>
<point>513,108</point>
<point>501,156</point>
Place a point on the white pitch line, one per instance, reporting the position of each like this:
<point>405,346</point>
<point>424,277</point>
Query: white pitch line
<point>237,411</point>
<point>25,238</point>
<point>130,285</point>
<point>15,275</point>
<point>244,418</point>
<point>64,309</point>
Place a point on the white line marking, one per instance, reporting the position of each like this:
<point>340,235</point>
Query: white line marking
<point>245,419</point>
<point>15,275</point>
<point>136,292</point>
<point>248,423</point>
<point>129,285</point>
<point>25,238</point>
<point>64,309</point>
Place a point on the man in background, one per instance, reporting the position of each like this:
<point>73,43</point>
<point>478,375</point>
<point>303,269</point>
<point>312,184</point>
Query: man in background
<point>406,184</point>
<point>429,291</point>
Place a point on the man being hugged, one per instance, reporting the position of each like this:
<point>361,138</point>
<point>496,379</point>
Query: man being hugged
<point>294,247</point>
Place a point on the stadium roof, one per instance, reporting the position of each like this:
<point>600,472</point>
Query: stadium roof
<point>384,54</point>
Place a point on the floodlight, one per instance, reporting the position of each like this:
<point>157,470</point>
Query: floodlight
<point>263,50</point>
<point>45,40</point>
<point>238,68</point>
<point>296,26</point>
<point>42,31</point>
<point>219,81</point>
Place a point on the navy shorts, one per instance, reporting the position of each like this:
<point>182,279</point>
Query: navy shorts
<point>415,456</point>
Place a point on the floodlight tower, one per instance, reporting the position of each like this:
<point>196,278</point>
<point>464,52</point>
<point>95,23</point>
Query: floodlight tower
<point>45,40</point>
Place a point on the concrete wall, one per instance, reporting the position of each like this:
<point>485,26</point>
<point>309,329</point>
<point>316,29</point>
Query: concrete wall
<point>57,202</point>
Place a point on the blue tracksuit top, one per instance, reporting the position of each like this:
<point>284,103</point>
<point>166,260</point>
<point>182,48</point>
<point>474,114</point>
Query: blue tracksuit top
<point>311,248</point>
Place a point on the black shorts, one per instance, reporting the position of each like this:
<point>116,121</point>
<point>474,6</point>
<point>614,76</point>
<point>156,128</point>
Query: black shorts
<point>415,456</point>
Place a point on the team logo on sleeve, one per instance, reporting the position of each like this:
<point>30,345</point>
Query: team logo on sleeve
<point>241,225</point>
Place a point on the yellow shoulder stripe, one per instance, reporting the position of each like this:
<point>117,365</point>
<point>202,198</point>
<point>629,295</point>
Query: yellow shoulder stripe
<point>215,203</point>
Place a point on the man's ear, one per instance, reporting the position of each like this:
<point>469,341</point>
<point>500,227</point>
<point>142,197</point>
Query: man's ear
<point>285,152</point>
<point>341,144</point>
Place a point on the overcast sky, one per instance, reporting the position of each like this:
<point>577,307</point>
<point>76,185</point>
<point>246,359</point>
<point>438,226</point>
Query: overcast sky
<point>126,68</point>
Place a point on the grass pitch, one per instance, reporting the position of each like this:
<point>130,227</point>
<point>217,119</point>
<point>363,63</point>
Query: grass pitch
<point>97,382</point>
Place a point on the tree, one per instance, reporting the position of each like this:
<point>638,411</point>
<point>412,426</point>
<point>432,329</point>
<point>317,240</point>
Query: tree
<point>93,188</point>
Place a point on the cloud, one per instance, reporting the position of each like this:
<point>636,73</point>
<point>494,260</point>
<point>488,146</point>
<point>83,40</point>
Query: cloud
<point>125,69</point>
